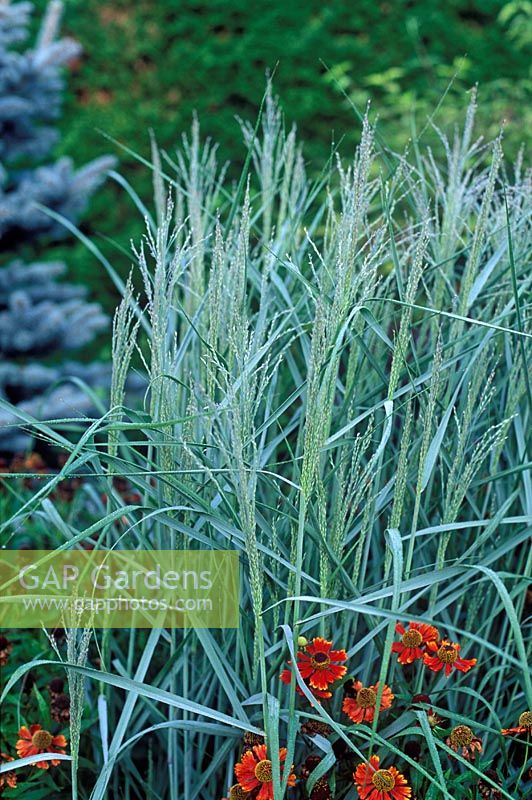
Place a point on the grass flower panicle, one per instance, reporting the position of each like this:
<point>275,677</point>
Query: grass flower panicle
<point>374,783</point>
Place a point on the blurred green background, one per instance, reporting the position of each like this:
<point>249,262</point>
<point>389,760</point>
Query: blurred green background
<point>151,63</point>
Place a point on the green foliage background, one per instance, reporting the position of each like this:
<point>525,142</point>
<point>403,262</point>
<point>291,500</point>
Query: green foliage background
<point>151,63</point>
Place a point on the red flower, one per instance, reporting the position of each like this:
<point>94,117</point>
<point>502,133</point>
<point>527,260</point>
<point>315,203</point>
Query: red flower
<point>254,771</point>
<point>34,741</point>
<point>446,654</point>
<point>413,641</point>
<point>374,783</point>
<point>7,778</point>
<point>286,677</point>
<point>360,701</point>
<point>524,725</point>
<point>318,665</point>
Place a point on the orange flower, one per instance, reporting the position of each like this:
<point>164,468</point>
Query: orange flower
<point>374,783</point>
<point>446,654</point>
<point>34,741</point>
<point>413,640</point>
<point>255,771</point>
<point>286,677</point>
<point>7,778</point>
<point>524,725</point>
<point>318,666</point>
<point>360,701</point>
<point>462,739</point>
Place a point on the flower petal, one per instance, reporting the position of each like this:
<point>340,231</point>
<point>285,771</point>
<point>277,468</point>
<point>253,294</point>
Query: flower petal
<point>319,645</point>
<point>338,655</point>
<point>59,741</point>
<point>266,791</point>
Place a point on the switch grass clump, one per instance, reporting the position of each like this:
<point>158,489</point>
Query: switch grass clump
<point>339,389</point>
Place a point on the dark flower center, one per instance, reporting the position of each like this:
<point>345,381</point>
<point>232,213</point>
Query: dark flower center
<point>252,739</point>
<point>383,780</point>
<point>62,701</point>
<point>421,698</point>
<point>447,653</point>
<point>315,726</point>
<point>412,638</point>
<point>236,792</point>
<point>320,660</point>
<point>526,719</point>
<point>263,771</point>
<point>366,698</point>
<point>42,740</point>
<point>461,736</point>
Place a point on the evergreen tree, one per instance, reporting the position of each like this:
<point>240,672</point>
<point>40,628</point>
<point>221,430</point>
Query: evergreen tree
<point>39,317</point>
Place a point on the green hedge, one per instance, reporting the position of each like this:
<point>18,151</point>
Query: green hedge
<point>150,63</point>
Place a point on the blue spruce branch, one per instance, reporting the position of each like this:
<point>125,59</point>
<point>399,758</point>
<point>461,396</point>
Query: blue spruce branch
<point>39,315</point>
